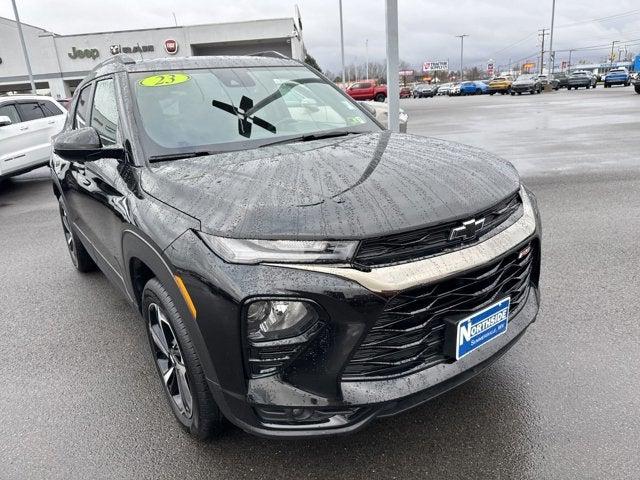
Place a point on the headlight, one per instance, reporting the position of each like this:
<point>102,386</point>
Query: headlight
<point>234,250</point>
<point>278,319</point>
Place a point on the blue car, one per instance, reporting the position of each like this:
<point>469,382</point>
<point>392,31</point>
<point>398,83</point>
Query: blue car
<point>617,76</point>
<point>473,88</point>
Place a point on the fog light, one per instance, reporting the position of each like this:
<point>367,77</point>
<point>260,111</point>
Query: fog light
<point>277,319</point>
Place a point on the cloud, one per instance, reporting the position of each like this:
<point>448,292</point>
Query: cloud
<point>427,28</point>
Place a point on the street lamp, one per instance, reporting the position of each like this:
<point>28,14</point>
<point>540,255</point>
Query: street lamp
<point>461,37</point>
<point>342,43</point>
<point>551,54</point>
<point>24,47</point>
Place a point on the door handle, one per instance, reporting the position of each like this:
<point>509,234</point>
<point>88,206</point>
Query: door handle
<point>51,122</point>
<point>23,128</point>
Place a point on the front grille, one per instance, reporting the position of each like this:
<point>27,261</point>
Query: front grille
<point>420,243</point>
<point>409,334</point>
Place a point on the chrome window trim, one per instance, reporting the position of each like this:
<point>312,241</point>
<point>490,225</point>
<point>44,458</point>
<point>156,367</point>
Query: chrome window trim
<point>391,279</point>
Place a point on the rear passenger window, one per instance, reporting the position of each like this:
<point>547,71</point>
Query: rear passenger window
<point>104,116</point>
<point>50,109</point>
<point>11,112</point>
<point>82,108</point>
<point>29,111</point>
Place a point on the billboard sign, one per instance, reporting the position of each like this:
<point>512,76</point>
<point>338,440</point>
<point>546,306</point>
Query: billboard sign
<point>406,73</point>
<point>490,68</point>
<point>437,66</point>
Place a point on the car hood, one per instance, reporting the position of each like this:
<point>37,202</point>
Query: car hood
<point>523,82</point>
<point>341,188</point>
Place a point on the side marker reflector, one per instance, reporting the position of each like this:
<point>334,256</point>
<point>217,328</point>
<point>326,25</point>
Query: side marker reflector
<point>185,295</point>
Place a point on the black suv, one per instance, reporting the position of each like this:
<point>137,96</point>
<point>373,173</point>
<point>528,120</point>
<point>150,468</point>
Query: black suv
<point>300,270</point>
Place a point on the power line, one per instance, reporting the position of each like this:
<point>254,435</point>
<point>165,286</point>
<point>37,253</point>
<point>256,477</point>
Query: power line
<point>601,19</point>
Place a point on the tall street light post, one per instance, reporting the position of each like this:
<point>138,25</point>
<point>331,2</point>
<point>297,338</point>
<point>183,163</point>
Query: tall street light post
<point>366,48</point>
<point>461,37</point>
<point>344,72</point>
<point>551,54</point>
<point>24,47</point>
<point>393,61</point>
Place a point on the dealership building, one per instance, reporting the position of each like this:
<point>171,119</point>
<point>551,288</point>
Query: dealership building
<point>60,62</point>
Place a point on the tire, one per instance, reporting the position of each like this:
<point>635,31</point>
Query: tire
<point>80,258</point>
<point>595,85</point>
<point>519,93</point>
<point>380,97</point>
<point>513,93</point>
<point>491,93</point>
<point>637,88</point>
<point>606,85</point>
<point>478,92</point>
<point>202,417</point>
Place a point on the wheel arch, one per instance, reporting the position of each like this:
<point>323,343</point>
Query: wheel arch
<point>144,260</point>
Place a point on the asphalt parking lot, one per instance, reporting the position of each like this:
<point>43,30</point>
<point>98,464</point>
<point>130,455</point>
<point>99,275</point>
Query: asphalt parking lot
<point>80,397</point>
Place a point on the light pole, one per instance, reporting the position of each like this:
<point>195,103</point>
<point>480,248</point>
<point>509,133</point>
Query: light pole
<point>24,47</point>
<point>551,55</point>
<point>366,48</point>
<point>393,60</point>
<point>344,79</point>
<point>461,37</point>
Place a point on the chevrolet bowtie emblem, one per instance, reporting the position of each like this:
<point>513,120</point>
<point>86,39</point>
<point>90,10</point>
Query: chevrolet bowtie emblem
<point>468,230</point>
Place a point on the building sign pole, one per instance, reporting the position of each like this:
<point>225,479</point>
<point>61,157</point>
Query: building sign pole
<point>24,47</point>
<point>393,61</point>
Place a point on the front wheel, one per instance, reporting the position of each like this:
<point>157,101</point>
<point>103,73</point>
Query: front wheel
<point>178,365</point>
<point>380,97</point>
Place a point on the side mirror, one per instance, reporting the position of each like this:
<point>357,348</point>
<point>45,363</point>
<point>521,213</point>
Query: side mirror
<point>84,144</point>
<point>4,121</point>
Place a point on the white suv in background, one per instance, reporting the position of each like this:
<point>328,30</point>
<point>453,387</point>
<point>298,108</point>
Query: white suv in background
<point>27,123</point>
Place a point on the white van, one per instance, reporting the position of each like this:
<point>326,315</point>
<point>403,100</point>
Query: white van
<point>27,123</point>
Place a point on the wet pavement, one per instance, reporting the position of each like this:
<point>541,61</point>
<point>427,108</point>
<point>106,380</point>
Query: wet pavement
<point>80,397</point>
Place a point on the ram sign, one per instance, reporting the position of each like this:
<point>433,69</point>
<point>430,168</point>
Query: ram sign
<point>439,66</point>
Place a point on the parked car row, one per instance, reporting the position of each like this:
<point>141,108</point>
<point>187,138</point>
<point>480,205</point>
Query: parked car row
<point>525,83</point>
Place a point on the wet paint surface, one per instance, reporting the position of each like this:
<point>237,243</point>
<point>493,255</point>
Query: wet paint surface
<point>357,187</point>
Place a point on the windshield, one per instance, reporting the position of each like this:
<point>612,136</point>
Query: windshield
<point>238,108</point>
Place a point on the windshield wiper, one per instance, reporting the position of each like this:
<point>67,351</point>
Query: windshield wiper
<point>178,156</point>
<point>311,136</point>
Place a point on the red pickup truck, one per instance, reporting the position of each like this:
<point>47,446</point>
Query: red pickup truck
<point>367,91</point>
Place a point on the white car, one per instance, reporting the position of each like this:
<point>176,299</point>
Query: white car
<point>27,123</point>
<point>381,112</point>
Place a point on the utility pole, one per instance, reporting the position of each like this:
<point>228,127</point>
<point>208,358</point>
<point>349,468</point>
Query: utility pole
<point>393,61</point>
<point>24,48</point>
<point>344,79</point>
<point>611,57</point>
<point>551,54</point>
<point>542,34</point>
<point>461,37</point>
<point>569,66</point>
<point>366,48</point>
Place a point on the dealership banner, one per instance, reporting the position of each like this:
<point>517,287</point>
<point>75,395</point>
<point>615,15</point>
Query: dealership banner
<point>406,73</point>
<point>438,66</point>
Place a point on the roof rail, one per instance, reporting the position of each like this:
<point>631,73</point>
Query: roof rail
<point>119,58</point>
<point>270,53</point>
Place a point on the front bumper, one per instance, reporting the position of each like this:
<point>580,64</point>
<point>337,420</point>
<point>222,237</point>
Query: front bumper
<point>522,88</point>
<point>313,382</point>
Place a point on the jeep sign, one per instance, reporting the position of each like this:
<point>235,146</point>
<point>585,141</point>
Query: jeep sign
<point>92,53</point>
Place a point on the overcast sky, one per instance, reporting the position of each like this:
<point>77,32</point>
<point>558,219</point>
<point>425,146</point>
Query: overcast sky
<point>498,29</point>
